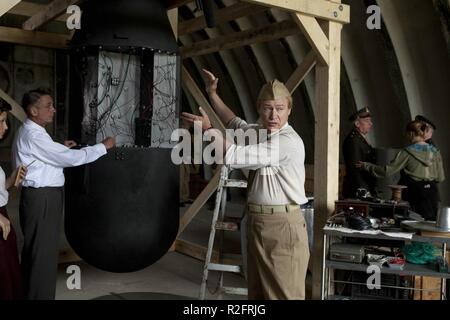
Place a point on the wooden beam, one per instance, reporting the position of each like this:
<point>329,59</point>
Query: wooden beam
<point>6,5</point>
<point>199,252</point>
<point>301,72</point>
<point>326,147</point>
<point>33,38</point>
<point>233,12</point>
<point>322,9</point>
<point>239,39</point>
<point>194,250</point>
<point>17,110</point>
<point>315,35</point>
<point>29,9</point>
<point>199,201</point>
<point>201,100</point>
<point>48,13</point>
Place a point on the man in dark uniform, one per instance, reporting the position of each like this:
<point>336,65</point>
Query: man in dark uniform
<point>429,133</point>
<point>356,148</point>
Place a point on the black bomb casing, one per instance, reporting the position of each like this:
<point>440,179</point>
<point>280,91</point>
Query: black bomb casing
<point>121,211</point>
<point>118,24</point>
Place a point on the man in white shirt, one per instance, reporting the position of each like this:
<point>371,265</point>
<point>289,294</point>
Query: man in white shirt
<point>278,251</point>
<point>41,201</point>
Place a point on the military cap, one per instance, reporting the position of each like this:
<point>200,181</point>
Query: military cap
<point>361,113</point>
<point>273,90</point>
<point>423,119</point>
<point>4,106</point>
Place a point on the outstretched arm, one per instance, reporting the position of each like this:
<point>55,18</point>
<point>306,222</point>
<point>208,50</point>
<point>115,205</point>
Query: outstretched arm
<point>223,111</point>
<point>399,162</point>
<point>206,125</point>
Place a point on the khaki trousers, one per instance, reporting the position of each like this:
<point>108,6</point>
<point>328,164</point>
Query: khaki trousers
<point>278,256</point>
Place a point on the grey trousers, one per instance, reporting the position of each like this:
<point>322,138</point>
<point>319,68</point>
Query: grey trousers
<point>40,219</point>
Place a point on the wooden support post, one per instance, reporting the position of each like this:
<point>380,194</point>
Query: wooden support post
<point>301,72</point>
<point>48,13</point>
<point>17,110</point>
<point>326,156</point>
<point>239,39</point>
<point>6,5</point>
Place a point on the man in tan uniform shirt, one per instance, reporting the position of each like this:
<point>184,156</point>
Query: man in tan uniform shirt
<point>278,250</point>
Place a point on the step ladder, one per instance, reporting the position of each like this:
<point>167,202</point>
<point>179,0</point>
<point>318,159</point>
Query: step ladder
<point>220,224</point>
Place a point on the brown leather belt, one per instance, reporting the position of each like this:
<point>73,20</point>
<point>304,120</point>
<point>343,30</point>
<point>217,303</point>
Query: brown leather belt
<point>265,209</point>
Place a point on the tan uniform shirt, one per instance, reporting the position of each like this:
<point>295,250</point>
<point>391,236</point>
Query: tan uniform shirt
<point>279,165</point>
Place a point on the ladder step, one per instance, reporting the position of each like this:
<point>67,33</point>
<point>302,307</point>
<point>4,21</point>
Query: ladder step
<point>235,183</point>
<point>236,291</point>
<point>227,226</point>
<point>224,267</point>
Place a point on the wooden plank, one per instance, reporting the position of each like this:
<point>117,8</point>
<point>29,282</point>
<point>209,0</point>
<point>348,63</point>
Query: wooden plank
<point>33,38</point>
<point>6,5</point>
<point>17,111</point>
<point>29,9</point>
<point>233,12</point>
<point>301,72</point>
<point>200,99</point>
<point>239,39</point>
<point>328,10</point>
<point>48,13</point>
<point>199,201</point>
<point>326,154</point>
<point>194,250</point>
<point>314,34</point>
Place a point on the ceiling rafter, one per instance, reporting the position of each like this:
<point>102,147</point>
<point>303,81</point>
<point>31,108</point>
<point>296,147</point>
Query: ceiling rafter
<point>6,5</point>
<point>239,39</point>
<point>233,12</point>
<point>328,10</point>
<point>48,13</point>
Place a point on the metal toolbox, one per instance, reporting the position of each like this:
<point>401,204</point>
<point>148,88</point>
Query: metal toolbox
<point>347,252</point>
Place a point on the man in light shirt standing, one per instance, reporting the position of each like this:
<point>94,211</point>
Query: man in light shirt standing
<point>41,201</point>
<point>278,251</point>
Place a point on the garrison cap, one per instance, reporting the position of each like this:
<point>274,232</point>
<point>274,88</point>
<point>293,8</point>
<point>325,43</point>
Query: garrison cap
<point>361,113</point>
<point>273,90</point>
<point>427,121</point>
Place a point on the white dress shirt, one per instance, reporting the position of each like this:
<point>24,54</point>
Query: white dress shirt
<point>3,192</point>
<point>33,143</point>
<point>279,164</point>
